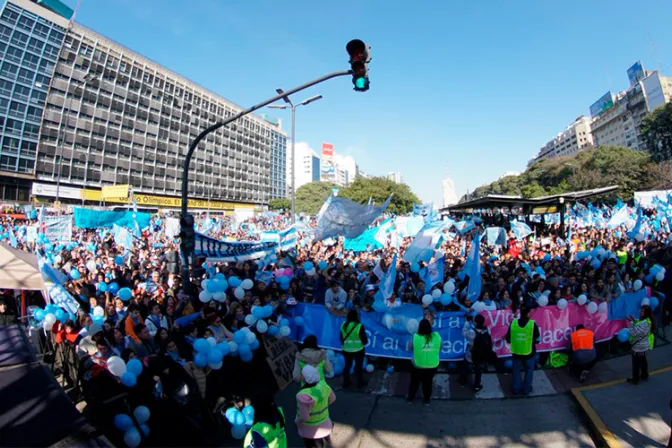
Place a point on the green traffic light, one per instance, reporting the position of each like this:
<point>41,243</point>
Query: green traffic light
<point>360,82</point>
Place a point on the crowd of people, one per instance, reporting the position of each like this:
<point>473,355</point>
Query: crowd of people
<point>163,317</point>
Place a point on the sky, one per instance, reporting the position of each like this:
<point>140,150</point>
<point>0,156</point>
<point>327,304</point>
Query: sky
<point>473,87</point>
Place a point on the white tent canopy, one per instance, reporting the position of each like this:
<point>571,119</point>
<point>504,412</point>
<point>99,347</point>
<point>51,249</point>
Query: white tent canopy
<point>19,270</point>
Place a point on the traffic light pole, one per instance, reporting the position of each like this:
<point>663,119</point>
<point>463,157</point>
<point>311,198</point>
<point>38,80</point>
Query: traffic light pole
<point>185,249</point>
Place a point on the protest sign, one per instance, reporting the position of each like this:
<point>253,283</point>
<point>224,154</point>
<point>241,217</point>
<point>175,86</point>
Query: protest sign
<point>280,355</point>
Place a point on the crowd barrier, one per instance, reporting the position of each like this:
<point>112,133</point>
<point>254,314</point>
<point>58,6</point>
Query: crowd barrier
<point>386,339</point>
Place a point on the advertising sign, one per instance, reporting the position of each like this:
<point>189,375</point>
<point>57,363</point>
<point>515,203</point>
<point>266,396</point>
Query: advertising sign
<point>327,150</point>
<point>653,92</point>
<point>114,191</point>
<point>602,105</point>
<point>636,73</point>
<point>50,191</point>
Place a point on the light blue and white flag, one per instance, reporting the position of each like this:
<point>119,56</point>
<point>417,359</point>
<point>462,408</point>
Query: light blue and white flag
<point>386,287</point>
<point>473,265</point>
<point>434,273</point>
<point>520,229</point>
<point>424,210</point>
<point>12,238</point>
<point>464,226</point>
<point>425,243</point>
<point>136,225</point>
<point>342,216</point>
<point>216,250</point>
<point>54,284</point>
<point>496,236</point>
<point>619,217</point>
<point>383,230</point>
<point>58,228</point>
<point>287,239</point>
<point>122,236</point>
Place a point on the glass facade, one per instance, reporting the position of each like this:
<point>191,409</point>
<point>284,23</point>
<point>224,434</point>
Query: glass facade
<point>278,165</point>
<point>29,47</point>
<point>316,169</point>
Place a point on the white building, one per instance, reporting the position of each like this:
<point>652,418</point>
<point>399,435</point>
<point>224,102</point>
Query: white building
<point>573,139</point>
<point>307,166</point>
<point>395,177</point>
<point>449,196</point>
<point>345,169</point>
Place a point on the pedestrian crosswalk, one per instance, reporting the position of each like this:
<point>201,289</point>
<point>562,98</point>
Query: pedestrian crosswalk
<point>447,387</point>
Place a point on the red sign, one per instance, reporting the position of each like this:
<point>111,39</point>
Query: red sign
<point>327,150</point>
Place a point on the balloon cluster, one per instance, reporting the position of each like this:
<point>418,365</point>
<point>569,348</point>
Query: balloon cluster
<point>309,267</point>
<point>50,314</point>
<point>657,272</point>
<point>283,277</point>
<point>124,422</point>
<point>240,421</point>
<point>256,320</point>
<point>210,353</point>
<point>337,361</point>
<point>127,372</point>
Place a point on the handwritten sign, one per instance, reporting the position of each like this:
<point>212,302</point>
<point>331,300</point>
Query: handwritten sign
<point>280,357</point>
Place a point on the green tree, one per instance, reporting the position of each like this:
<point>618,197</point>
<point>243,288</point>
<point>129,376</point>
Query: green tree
<point>378,189</point>
<point>310,197</point>
<point>279,204</point>
<point>657,133</point>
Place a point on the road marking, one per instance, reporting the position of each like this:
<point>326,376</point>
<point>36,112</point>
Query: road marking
<point>441,387</point>
<point>491,387</point>
<point>541,385</point>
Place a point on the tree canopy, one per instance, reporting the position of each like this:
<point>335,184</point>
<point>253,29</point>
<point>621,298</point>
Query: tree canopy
<point>588,169</point>
<point>657,133</point>
<point>378,189</point>
<point>279,204</point>
<point>311,196</point>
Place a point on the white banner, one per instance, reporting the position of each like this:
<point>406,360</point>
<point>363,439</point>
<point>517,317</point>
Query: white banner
<point>50,191</point>
<point>58,229</point>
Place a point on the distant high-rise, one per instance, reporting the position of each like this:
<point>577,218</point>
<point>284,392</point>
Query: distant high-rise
<point>449,196</point>
<point>395,177</point>
<point>307,166</point>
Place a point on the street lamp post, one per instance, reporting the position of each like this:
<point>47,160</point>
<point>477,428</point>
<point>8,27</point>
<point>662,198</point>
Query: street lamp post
<point>293,106</point>
<point>88,77</point>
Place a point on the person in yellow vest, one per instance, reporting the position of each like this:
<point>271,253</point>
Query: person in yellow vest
<point>583,351</point>
<point>641,341</point>
<point>523,334</point>
<point>312,355</point>
<point>354,339</point>
<point>268,429</point>
<point>622,254</point>
<point>312,409</point>
<point>426,348</point>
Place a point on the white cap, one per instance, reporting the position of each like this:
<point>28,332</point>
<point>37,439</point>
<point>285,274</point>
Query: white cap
<point>310,374</point>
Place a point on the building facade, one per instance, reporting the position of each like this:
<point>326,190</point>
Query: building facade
<point>279,187</point>
<point>307,166</point>
<point>30,41</point>
<point>112,116</point>
<point>395,177</point>
<point>574,138</point>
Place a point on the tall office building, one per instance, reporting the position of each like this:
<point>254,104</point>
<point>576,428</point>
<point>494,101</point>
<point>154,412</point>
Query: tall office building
<point>113,116</point>
<point>448,189</point>
<point>307,166</point>
<point>574,138</point>
<point>395,177</point>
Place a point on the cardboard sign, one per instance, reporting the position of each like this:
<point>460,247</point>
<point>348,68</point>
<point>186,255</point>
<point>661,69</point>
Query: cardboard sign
<point>280,357</point>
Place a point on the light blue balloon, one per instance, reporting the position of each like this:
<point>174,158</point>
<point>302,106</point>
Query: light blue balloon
<point>623,335</point>
<point>244,349</point>
<point>239,338</point>
<point>237,418</point>
<point>229,414</point>
<point>234,282</point>
<point>134,366</point>
<point>201,345</point>
<point>99,319</point>
<point>74,274</point>
<point>246,357</point>
<point>446,299</point>
<point>60,315</point>
<point>308,265</point>
<point>654,302</point>
<point>258,312</point>
<point>211,286</point>
<point>125,294</point>
<point>220,276</point>
<point>132,437</point>
<point>113,288</point>
<point>141,414</point>
<point>128,379</point>
<point>255,344</point>
<point>215,356</point>
<point>123,422</point>
<point>145,429</point>
<point>284,322</point>
<point>118,260</point>
<point>239,431</point>
<point>272,329</point>
<point>201,360</point>
<point>322,265</point>
<point>223,347</point>
<point>102,286</point>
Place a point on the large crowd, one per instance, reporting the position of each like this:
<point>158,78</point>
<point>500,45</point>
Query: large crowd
<point>162,318</point>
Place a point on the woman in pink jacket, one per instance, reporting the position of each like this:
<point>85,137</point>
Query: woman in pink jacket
<point>312,403</point>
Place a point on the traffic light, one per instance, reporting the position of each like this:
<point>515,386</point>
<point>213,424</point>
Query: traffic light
<point>187,234</point>
<point>360,56</point>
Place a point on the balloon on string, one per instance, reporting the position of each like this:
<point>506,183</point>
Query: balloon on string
<point>216,365</point>
<point>123,422</point>
<point>284,331</point>
<point>145,429</point>
<point>592,307</point>
<point>234,281</point>
<point>118,260</point>
<point>134,366</point>
<point>60,315</point>
<point>262,326</point>
<point>412,326</point>
<point>215,356</point>
<point>223,347</point>
<point>273,330</point>
<point>128,379</point>
<point>102,286</point>
<point>645,302</point>
<point>220,276</point>
<point>98,320</point>
<point>310,272</point>
<point>247,284</point>
<point>250,319</point>
<point>322,265</point>
<point>308,265</point>
<point>254,344</point>
<point>239,431</point>
<point>204,283</point>
<point>562,304</point>
<point>211,342</point>
<point>204,296</point>
<point>233,348</point>
<point>660,276</point>
<point>132,437</point>
<point>542,300</point>
<point>250,337</point>
<point>98,311</point>
<point>239,337</point>
<point>623,335</point>
<point>427,299</point>
<point>239,293</point>
<point>116,366</point>
<point>141,414</point>
<point>369,368</point>
<point>201,359</point>
<point>637,285</point>
<point>582,299</point>
<point>50,319</point>
<point>211,286</point>
<point>201,345</point>
<point>436,294</point>
<point>113,288</point>
<point>219,297</point>
<point>446,299</point>
<point>125,294</point>
<point>654,302</point>
<point>39,314</point>
<point>603,307</point>
<point>74,274</point>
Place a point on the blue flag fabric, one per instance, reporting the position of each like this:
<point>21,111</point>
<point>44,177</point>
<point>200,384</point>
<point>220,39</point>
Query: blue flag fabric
<point>496,235</point>
<point>366,241</point>
<point>423,245</point>
<point>619,217</point>
<point>87,218</point>
<point>342,216</point>
<point>474,269</point>
<point>434,273</point>
<point>424,210</point>
<point>386,287</point>
<point>122,236</point>
<point>520,229</point>
<point>627,304</point>
<point>54,284</point>
<point>216,250</point>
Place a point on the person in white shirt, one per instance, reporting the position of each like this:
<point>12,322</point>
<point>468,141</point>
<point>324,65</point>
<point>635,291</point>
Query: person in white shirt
<point>335,298</point>
<point>155,320</point>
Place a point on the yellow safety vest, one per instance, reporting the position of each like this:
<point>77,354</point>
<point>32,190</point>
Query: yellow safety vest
<point>320,411</point>
<point>426,354</point>
<point>319,367</point>
<point>352,342</point>
<point>521,338</point>
<point>274,436</point>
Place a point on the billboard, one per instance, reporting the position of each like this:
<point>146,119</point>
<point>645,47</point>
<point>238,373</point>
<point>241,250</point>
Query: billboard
<point>49,190</point>
<point>653,91</point>
<point>605,103</point>
<point>327,150</point>
<point>636,73</point>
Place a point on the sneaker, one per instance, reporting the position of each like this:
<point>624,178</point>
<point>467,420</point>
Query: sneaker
<point>478,388</point>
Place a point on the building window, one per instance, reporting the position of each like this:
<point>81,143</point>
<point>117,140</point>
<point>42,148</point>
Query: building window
<point>5,87</point>
<point>26,23</point>
<point>46,66</point>
<point>5,32</point>
<point>9,70</point>
<point>13,127</point>
<point>51,51</point>
<point>41,30</point>
<point>21,93</point>
<point>28,148</point>
<point>17,109</point>
<point>38,97</point>
<point>34,113</point>
<point>8,163</point>
<point>14,54</point>
<point>19,39</point>
<point>10,145</point>
<point>30,60</point>
<point>26,165</point>
<point>31,130</point>
<point>42,82</point>
<point>3,105</point>
<point>35,45</point>
<point>56,37</point>
<point>26,76</point>
<point>9,16</point>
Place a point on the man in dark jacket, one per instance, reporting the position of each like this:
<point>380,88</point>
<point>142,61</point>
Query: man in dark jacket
<point>6,316</point>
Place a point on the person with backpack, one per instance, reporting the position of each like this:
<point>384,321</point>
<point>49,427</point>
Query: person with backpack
<point>354,339</point>
<point>641,341</point>
<point>312,355</point>
<point>478,351</point>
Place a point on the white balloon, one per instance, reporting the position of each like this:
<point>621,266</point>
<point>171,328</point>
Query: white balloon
<point>310,272</point>
<point>436,294</point>
<point>562,304</point>
<point>449,287</point>
<point>592,307</point>
<point>116,366</point>
<point>637,285</point>
<point>204,296</point>
<point>239,293</point>
<point>98,311</point>
<point>427,299</point>
<point>250,337</point>
<point>219,297</point>
<point>50,318</point>
<point>247,284</point>
<point>212,341</point>
<point>250,319</point>
<point>603,307</point>
<point>542,300</point>
<point>582,299</point>
<point>262,326</point>
<point>412,326</point>
<point>57,259</point>
<point>47,326</point>
<point>645,302</point>
<point>478,306</point>
<point>369,368</point>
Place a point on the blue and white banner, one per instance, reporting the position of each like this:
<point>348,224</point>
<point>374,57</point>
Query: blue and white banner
<point>287,239</point>
<point>434,273</point>
<point>58,229</point>
<point>366,241</point>
<point>342,216</point>
<point>122,236</point>
<point>388,336</point>
<point>386,287</point>
<point>520,229</point>
<point>424,210</point>
<point>216,250</point>
<point>53,280</point>
<point>423,245</point>
<point>496,236</point>
<point>88,218</point>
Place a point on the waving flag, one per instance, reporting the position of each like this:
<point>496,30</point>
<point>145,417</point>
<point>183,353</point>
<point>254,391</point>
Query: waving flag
<point>386,287</point>
<point>473,265</point>
<point>423,245</point>
<point>619,217</point>
<point>496,235</point>
<point>342,216</point>
<point>520,229</point>
<point>434,274</point>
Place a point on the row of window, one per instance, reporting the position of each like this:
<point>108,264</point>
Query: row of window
<point>14,163</point>
<point>20,110</point>
<point>30,25</point>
